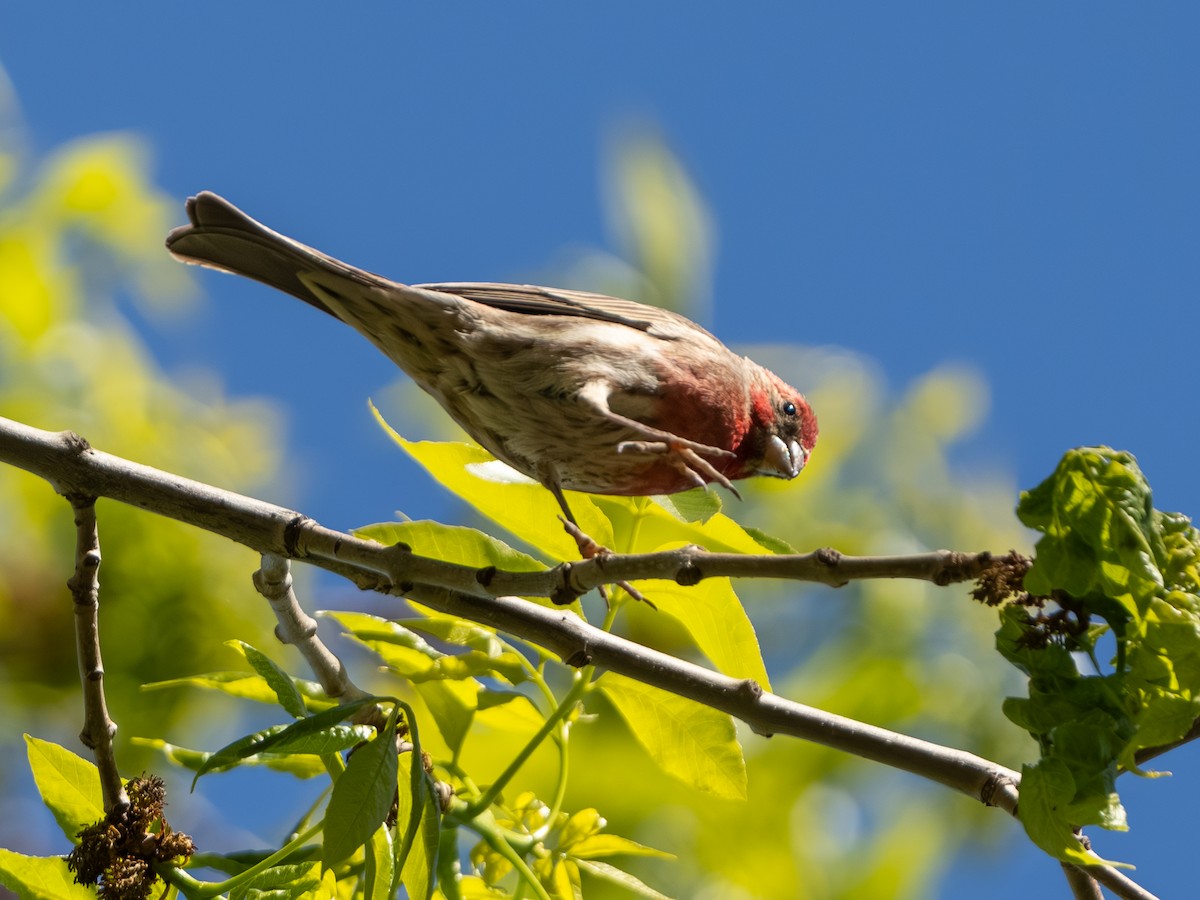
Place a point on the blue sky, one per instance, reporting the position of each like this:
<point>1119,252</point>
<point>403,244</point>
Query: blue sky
<point>1014,186</point>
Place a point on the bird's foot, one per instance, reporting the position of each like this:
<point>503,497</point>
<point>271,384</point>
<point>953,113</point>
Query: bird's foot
<point>589,549</point>
<point>685,456</point>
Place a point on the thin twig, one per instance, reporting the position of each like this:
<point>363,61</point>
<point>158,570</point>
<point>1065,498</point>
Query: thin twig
<point>274,581</point>
<point>98,726</point>
<point>1083,886</point>
<point>1120,883</point>
<point>72,466</point>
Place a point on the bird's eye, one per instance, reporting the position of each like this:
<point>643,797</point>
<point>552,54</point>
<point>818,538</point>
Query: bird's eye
<point>789,408</point>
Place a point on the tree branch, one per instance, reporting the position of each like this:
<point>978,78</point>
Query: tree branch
<point>73,467</point>
<point>296,627</point>
<point>98,726</point>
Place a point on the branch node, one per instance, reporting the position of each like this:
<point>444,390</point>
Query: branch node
<point>997,784</point>
<point>750,689</point>
<point>485,575</point>
<point>959,566</point>
<point>565,592</point>
<point>79,501</point>
<point>688,574</point>
<point>77,444</point>
<point>579,658</point>
<point>828,557</point>
<point>292,533</point>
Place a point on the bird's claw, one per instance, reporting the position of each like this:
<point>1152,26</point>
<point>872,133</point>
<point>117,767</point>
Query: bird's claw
<point>590,549</point>
<point>687,459</point>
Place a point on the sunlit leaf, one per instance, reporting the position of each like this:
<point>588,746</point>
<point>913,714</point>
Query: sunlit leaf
<point>381,875</point>
<point>69,785</point>
<point>581,825</point>
<point>41,878</point>
<point>285,882</point>
<point>361,798</point>
<point>453,705</point>
<point>711,612</point>
<point>507,498</point>
<point>308,735</point>
<point>278,680</point>
<point>694,743</point>
<point>299,764</point>
<point>452,543</point>
<point>245,686</point>
<point>416,799</point>
<point>1044,788</point>
<point>621,878</point>
<point>598,845</point>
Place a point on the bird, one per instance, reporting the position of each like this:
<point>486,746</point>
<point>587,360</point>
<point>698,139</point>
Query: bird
<point>578,391</point>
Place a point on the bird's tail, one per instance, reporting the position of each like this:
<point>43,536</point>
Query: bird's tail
<point>221,236</point>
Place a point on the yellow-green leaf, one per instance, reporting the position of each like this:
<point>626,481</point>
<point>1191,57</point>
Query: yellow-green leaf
<point>41,878</point>
<point>451,543</point>
<point>694,743</point>
<point>717,622</point>
<point>421,858</point>
<point>69,785</point>
<point>503,495</point>
<point>599,845</point>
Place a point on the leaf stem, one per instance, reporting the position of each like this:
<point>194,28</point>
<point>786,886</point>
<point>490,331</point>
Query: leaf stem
<point>557,715</point>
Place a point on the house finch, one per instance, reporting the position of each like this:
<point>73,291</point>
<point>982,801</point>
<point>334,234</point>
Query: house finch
<point>577,390</point>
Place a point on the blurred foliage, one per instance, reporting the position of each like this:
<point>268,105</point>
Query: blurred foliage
<point>80,237</point>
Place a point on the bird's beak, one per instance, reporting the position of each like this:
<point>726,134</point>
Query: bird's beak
<point>782,460</point>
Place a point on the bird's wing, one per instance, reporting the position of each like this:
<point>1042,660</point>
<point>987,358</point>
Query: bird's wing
<point>532,300</point>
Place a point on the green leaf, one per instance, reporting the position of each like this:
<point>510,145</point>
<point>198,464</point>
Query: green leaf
<point>559,876</point>
<point>621,878</point>
<point>770,543</point>
<point>245,686</point>
<point>375,629</point>
<point>300,763</point>
<point>409,655</point>
<point>712,614</point>
<point>1105,553</point>
<point>69,785</point>
<point>419,815</point>
<point>505,496</point>
<point>41,878</point>
<point>599,845</point>
<point>452,705</point>
<point>278,680</point>
<point>694,743</point>
<point>308,735</point>
<point>1046,789</point>
<point>239,861</point>
<point>361,798</point>
<point>1166,719</point>
<point>698,505</point>
<point>1098,525</point>
<point>581,825</point>
<point>452,543</point>
<point>286,882</point>
<point>380,874</point>
<point>643,525</point>
<point>452,630</point>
